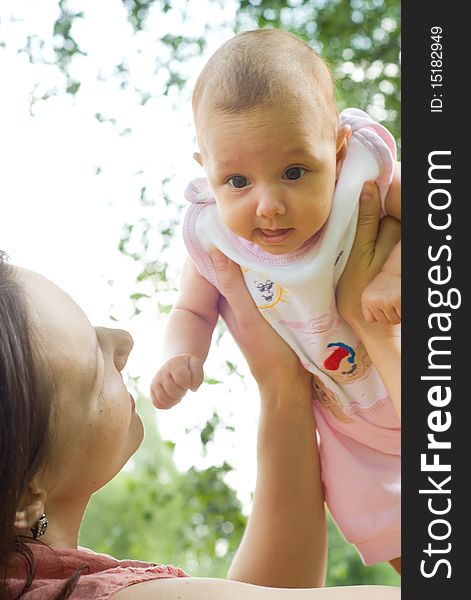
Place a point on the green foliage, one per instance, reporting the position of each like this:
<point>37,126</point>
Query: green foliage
<point>213,424</point>
<point>359,39</point>
<point>138,11</point>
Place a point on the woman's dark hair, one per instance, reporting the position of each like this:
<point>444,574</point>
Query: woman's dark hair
<point>26,403</point>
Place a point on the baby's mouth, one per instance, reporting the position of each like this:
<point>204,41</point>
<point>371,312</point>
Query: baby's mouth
<point>273,236</point>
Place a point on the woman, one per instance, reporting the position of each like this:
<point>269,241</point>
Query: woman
<point>68,425</point>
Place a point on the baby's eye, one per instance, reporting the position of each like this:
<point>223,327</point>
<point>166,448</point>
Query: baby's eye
<point>294,173</point>
<point>238,182</point>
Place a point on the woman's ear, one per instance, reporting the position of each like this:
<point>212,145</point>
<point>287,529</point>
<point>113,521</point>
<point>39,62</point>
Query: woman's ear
<point>342,144</point>
<point>31,505</point>
<point>197,156</point>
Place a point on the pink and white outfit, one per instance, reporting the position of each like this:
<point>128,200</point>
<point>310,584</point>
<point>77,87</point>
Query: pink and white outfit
<point>358,427</point>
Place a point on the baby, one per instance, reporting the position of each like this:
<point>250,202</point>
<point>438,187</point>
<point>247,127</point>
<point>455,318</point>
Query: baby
<point>284,175</point>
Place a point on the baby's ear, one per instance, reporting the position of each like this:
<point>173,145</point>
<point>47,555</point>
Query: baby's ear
<point>342,144</point>
<point>197,156</point>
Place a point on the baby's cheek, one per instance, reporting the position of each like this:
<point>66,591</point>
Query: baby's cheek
<point>235,219</point>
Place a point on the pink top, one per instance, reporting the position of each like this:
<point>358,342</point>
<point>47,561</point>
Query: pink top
<point>101,576</point>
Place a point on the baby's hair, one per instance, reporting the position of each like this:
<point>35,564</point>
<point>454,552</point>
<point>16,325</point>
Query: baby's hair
<point>264,67</point>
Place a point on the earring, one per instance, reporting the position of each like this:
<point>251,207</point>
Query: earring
<point>39,528</point>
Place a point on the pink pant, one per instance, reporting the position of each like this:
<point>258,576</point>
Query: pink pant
<point>361,471</point>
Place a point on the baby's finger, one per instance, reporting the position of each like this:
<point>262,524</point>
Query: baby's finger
<point>395,316</point>
<point>196,373</point>
<point>173,389</point>
<point>179,376</point>
<point>368,315</point>
<point>393,312</point>
<point>160,398</point>
<point>392,316</point>
<point>382,316</point>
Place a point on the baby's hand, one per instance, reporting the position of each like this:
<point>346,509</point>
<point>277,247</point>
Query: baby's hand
<point>176,376</point>
<point>381,299</point>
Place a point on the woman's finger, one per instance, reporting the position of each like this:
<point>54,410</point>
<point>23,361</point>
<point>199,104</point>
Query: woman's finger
<point>389,233</point>
<point>232,287</point>
<point>259,342</point>
<point>236,305</point>
<point>368,217</point>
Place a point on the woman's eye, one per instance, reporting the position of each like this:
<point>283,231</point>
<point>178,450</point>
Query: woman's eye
<point>238,182</point>
<point>294,173</point>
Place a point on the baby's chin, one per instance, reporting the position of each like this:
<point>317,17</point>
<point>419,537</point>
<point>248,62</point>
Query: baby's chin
<point>278,250</point>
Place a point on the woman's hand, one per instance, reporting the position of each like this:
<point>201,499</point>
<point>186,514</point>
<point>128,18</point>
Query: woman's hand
<point>264,350</point>
<point>374,242</point>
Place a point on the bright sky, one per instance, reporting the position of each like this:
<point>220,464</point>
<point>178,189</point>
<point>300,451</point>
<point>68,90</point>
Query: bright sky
<point>58,217</point>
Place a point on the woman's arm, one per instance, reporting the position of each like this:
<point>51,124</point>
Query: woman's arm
<point>284,544</point>
<point>221,589</point>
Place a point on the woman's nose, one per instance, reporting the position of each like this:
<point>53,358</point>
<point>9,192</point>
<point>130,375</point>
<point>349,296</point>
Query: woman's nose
<point>123,346</point>
<point>270,203</point>
<point>125,340</point>
<point>117,342</point>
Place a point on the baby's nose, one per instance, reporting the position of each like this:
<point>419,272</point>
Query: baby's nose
<point>270,204</point>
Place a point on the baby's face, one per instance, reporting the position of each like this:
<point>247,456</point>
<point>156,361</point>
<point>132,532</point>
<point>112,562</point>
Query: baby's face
<point>272,171</point>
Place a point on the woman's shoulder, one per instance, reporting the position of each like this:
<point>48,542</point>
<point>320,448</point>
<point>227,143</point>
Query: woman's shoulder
<point>97,575</point>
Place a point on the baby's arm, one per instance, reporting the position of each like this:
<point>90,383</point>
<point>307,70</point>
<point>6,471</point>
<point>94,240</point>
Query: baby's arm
<point>381,299</point>
<point>187,339</point>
